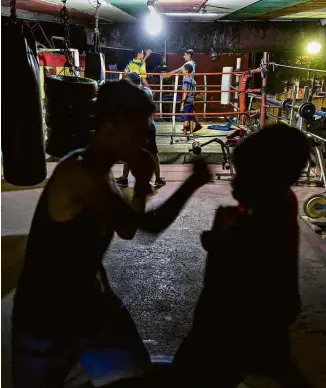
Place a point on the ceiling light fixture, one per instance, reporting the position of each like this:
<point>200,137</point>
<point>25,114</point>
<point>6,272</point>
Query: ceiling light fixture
<point>314,48</point>
<point>153,21</point>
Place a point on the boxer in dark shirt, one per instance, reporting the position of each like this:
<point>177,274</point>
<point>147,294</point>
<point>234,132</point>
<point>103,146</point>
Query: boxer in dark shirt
<point>64,309</point>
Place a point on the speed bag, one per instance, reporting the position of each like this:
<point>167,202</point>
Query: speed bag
<point>95,67</point>
<point>22,144</point>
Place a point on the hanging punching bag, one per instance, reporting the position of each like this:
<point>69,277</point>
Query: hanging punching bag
<point>95,66</point>
<point>22,129</point>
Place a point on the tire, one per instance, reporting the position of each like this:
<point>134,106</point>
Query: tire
<point>75,123</point>
<point>59,146</point>
<point>67,88</point>
<point>84,108</point>
<point>70,107</point>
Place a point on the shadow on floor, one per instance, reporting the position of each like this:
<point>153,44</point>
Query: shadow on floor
<point>12,260</point>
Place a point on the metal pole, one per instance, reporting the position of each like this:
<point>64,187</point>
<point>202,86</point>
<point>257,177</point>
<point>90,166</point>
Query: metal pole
<point>294,101</point>
<point>161,94</point>
<point>237,83</point>
<point>302,121</point>
<point>176,82</point>
<point>205,94</point>
<point>165,60</point>
<point>263,91</point>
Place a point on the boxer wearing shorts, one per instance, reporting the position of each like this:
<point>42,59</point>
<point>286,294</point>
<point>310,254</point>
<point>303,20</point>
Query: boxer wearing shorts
<point>150,141</point>
<point>187,102</point>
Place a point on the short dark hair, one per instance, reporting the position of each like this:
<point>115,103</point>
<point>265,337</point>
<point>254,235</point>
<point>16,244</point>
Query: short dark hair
<point>137,50</point>
<point>120,98</point>
<point>266,153</point>
<point>190,52</point>
<point>189,68</point>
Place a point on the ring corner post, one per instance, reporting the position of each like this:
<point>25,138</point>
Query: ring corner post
<point>264,69</point>
<point>161,95</point>
<point>176,83</point>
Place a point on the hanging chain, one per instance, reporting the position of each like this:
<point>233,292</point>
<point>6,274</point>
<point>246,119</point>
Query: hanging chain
<point>13,13</point>
<point>97,16</point>
<point>65,21</point>
<point>96,37</point>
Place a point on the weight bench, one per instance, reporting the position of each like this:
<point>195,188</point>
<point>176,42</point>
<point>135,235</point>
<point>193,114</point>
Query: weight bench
<point>232,140</point>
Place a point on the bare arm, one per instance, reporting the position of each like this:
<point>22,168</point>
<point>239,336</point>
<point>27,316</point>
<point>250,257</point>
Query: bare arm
<point>147,55</point>
<point>176,71</point>
<point>184,98</point>
<point>126,220</point>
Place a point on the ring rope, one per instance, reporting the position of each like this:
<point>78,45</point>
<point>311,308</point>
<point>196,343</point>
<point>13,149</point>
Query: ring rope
<point>176,74</point>
<point>197,86</point>
<point>179,102</point>
<point>296,67</point>
<point>215,114</point>
<point>212,91</point>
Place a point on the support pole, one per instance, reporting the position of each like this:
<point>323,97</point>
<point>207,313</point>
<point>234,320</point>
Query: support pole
<point>161,94</point>
<point>302,121</point>
<point>263,91</point>
<point>176,82</point>
<point>205,95</point>
<point>294,101</point>
<point>237,83</point>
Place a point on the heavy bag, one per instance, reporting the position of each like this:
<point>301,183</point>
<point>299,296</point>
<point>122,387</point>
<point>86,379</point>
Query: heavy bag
<point>22,141</point>
<point>95,67</point>
<point>70,105</point>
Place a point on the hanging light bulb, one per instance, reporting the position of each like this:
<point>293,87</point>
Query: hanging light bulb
<point>153,23</point>
<point>314,48</point>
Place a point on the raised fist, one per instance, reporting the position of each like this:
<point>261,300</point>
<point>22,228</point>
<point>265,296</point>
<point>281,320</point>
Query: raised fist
<point>148,52</point>
<point>142,168</point>
<point>201,172</point>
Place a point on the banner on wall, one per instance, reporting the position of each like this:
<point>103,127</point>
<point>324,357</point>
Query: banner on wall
<point>53,61</point>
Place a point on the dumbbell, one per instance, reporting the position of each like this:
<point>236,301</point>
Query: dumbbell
<point>195,148</point>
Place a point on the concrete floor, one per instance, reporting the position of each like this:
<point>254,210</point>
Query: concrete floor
<point>161,280</point>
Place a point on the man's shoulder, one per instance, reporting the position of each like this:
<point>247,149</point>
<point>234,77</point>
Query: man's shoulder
<point>188,80</point>
<point>69,170</point>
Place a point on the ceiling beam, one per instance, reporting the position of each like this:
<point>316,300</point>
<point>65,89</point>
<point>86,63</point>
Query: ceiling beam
<point>302,7</point>
<point>131,7</point>
<point>36,16</point>
<point>262,7</point>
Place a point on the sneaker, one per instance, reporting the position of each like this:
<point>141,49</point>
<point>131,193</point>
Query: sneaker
<point>122,182</point>
<point>197,127</point>
<point>160,182</point>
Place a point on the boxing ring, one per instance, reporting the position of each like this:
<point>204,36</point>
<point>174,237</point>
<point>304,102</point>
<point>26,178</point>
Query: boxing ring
<point>234,93</point>
<point>233,89</point>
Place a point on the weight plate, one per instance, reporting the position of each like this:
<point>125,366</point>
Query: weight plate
<point>314,206</point>
<point>307,110</point>
<point>196,147</point>
<point>285,104</point>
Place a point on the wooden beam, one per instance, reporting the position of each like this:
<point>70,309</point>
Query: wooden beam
<point>298,8</point>
<point>41,17</point>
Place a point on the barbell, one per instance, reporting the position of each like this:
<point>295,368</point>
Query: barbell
<point>307,110</point>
